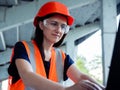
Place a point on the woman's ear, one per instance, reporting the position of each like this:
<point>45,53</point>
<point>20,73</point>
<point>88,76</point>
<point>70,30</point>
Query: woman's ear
<point>41,25</point>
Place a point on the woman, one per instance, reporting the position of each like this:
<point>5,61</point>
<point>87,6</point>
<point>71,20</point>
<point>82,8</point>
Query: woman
<point>39,65</point>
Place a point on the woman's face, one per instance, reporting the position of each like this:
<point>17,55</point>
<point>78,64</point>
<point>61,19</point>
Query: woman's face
<point>53,28</point>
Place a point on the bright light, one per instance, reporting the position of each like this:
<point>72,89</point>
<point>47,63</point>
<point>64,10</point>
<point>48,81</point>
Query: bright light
<point>4,85</point>
<point>91,47</point>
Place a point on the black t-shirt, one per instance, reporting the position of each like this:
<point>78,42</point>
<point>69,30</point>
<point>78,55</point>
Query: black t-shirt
<point>20,52</point>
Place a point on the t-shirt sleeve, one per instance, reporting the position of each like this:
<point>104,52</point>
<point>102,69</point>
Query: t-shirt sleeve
<point>68,63</point>
<point>20,51</point>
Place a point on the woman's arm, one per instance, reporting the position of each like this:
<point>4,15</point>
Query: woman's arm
<point>34,80</point>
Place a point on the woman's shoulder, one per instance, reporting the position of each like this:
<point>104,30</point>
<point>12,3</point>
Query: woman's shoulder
<point>20,51</point>
<point>20,44</point>
<point>19,47</point>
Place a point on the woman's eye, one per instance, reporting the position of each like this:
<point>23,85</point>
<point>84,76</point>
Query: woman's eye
<point>54,23</point>
<point>63,26</point>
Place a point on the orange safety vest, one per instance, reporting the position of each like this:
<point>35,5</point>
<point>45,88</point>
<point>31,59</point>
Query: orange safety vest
<point>56,65</point>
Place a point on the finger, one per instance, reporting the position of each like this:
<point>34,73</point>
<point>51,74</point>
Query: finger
<point>91,84</point>
<point>87,86</point>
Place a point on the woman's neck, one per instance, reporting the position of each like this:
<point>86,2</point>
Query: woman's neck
<point>47,47</point>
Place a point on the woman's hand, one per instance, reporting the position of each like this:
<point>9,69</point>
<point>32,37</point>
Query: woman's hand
<point>85,85</point>
<point>91,85</point>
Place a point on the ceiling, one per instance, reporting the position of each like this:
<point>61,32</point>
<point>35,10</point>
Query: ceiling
<point>84,12</point>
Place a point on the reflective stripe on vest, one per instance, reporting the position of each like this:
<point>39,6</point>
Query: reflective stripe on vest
<point>56,65</point>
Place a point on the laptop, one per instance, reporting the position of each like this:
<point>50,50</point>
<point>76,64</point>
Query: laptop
<point>113,82</point>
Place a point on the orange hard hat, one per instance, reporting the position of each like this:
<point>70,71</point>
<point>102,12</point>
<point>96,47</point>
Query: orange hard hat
<point>53,7</point>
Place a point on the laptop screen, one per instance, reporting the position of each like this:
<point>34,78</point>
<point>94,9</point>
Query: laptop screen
<point>113,82</point>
